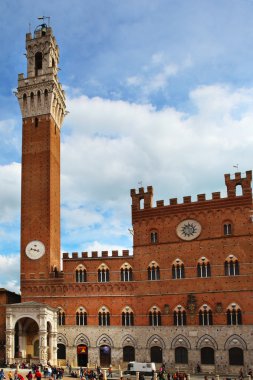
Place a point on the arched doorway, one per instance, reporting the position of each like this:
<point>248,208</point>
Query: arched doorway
<point>61,351</point>
<point>128,354</point>
<point>105,356</point>
<point>156,354</point>
<point>26,341</point>
<point>82,355</point>
<point>181,355</point>
<point>236,356</point>
<point>207,355</point>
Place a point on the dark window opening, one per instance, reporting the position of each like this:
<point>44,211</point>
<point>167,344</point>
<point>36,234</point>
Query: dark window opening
<point>38,62</point>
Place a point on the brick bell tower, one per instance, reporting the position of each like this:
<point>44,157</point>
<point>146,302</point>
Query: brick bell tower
<point>42,104</point>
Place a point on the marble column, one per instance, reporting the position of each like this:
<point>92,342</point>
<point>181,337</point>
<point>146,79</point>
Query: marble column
<point>10,346</point>
<point>43,347</point>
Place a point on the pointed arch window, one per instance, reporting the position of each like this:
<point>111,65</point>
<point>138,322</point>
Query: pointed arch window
<point>61,317</point>
<point>179,316</point>
<point>153,271</point>
<point>234,315</point>
<point>127,316</point>
<point>155,318</point>
<point>205,316</point>
<point>231,266</point>
<point>126,272</point>
<point>103,273</point>
<point>104,317</point>
<point>178,269</point>
<point>81,317</point>
<point>81,274</point>
<point>203,268</point>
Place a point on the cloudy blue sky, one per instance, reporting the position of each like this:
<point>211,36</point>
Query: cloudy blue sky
<point>159,92</point>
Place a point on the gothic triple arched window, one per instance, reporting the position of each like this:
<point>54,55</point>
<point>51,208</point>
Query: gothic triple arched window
<point>155,316</point>
<point>231,266</point>
<point>234,314</point>
<point>104,316</point>
<point>81,316</point>
<point>126,272</point>
<point>179,316</point>
<point>203,267</point>
<point>81,274</point>
<point>103,273</point>
<point>153,271</point>
<point>178,269</point>
<point>205,316</point>
<point>61,316</point>
<point>127,316</point>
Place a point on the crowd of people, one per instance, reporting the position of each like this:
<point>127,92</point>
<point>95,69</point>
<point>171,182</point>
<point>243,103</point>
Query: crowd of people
<point>37,372</point>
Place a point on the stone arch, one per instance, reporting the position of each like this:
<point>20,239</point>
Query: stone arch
<point>180,341</point>
<point>155,340</point>
<point>235,341</point>
<point>82,339</point>
<point>61,339</point>
<point>104,339</point>
<point>207,341</point>
<point>128,340</point>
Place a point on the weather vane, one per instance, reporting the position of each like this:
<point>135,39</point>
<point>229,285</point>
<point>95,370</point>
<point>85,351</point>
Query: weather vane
<point>44,18</point>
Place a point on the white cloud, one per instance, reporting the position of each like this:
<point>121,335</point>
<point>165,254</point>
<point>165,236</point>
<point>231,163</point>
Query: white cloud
<point>112,145</point>
<point>155,75</point>
<point>10,275</point>
<point>10,192</point>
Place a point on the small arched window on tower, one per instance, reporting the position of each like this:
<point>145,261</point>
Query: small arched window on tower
<point>178,269</point>
<point>231,266</point>
<point>103,273</point>
<point>227,229</point>
<point>154,237</point>
<point>81,274</point>
<point>205,316</point>
<point>38,62</point>
<point>153,271</point>
<point>81,317</point>
<point>32,99</point>
<point>126,272</point>
<point>179,316</point>
<point>155,316</point>
<point>234,315</point>
<point>24,100</point>
<point>46,95</point>
<point>203,268</point>
<point>104,317</point>
<point>61,317</point>
<point>38,98</point>
<point>127,316</point>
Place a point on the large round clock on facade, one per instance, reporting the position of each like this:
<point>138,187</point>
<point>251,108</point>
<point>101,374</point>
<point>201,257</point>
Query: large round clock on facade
<point>35,249</point>
<point>188,229</point>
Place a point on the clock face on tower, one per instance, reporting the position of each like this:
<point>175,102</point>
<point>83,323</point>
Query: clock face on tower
<point>188,229</point>
<point>35,249</point>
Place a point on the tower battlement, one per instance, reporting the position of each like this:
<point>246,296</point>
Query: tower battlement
<point>97,255</point>
<point>231,183</point>
<point>40,92</point>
